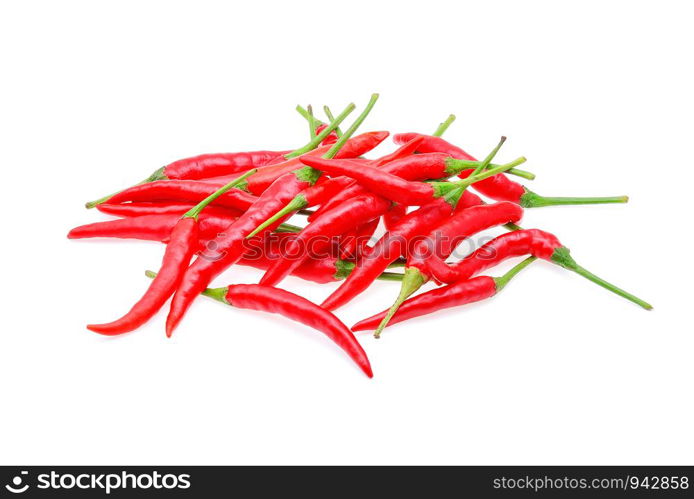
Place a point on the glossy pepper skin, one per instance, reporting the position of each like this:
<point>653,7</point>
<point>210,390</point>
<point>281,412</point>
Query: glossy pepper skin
<point>461,293</point>
<point>230,244</point>
<point>139,209</point>
<point>353,148</point>
<point>333,223</point>
<point>189,191</point>
<point>184,243</point>
<point>394,215</point>
<point>533,242</point>
<point>330,139</point>
<point>149,227</point>
<point>217,164</point>
<point>299,309</point>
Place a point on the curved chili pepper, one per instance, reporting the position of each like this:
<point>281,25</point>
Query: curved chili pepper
<point>296,308</point>
<point>230,245</point>
<point>461,293</point>
<point>535,242</point>
<point>443,240</point>
<point>148,208</point>
<point>183,244</point>
<point>186,191</point>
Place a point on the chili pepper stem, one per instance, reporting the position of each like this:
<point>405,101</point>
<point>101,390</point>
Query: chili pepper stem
<point>562,257</point>
<point>324,133</point>
<point>353,128</point>
<point>312,124</point>
<point>486,161</point>
<point>412,280</point>
<point>455,166</point>
<point>218,294</point>
<point>329,114</point>
<point>303,112</point>
<point>502,281</point>
<point>194,212</point>
<point>156,175</point>
<point>294,205</point>
<point>533,200</point>
<point>444,126</point>
<point>390,276</point>
<point>491,172</point>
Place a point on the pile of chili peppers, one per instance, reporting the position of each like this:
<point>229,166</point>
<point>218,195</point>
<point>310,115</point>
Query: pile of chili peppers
<point>214,211</point>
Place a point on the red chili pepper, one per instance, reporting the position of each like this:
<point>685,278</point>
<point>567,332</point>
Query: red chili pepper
<point>443,240</point>
<point>297,308</point>
<point>394,215</point>
<point>535,242</point>
<point>183,244</point>
<point>148,208</point>
<point>354,243</point>
<point>230,245</point>
<point>186,191</point>
<point>148,227</point>
<point>218,164</point>
<point>461,293</point>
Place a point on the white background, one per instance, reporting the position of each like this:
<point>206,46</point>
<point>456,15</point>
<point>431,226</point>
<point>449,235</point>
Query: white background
<point>555,370</point>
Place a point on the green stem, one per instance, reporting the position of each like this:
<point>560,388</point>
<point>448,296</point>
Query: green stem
<point>329,114</point>
<point>315,142</point>
<point>288,228</point>
<point>303,112</point>
<point>486,161</point>
<point>563,258</point>
<point>444,126</point>
<point>350,131</point>
<point>156,175</point>
<point>312,125</point>
<point>194,212</point>
<point>306,213</point>
<point>455,166</point>
<point>502,281</point>
<point>390,276</point>
<point>533,200</point>
<point>295,204</point>
<point>412,280</point>
<point>491,172</point>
